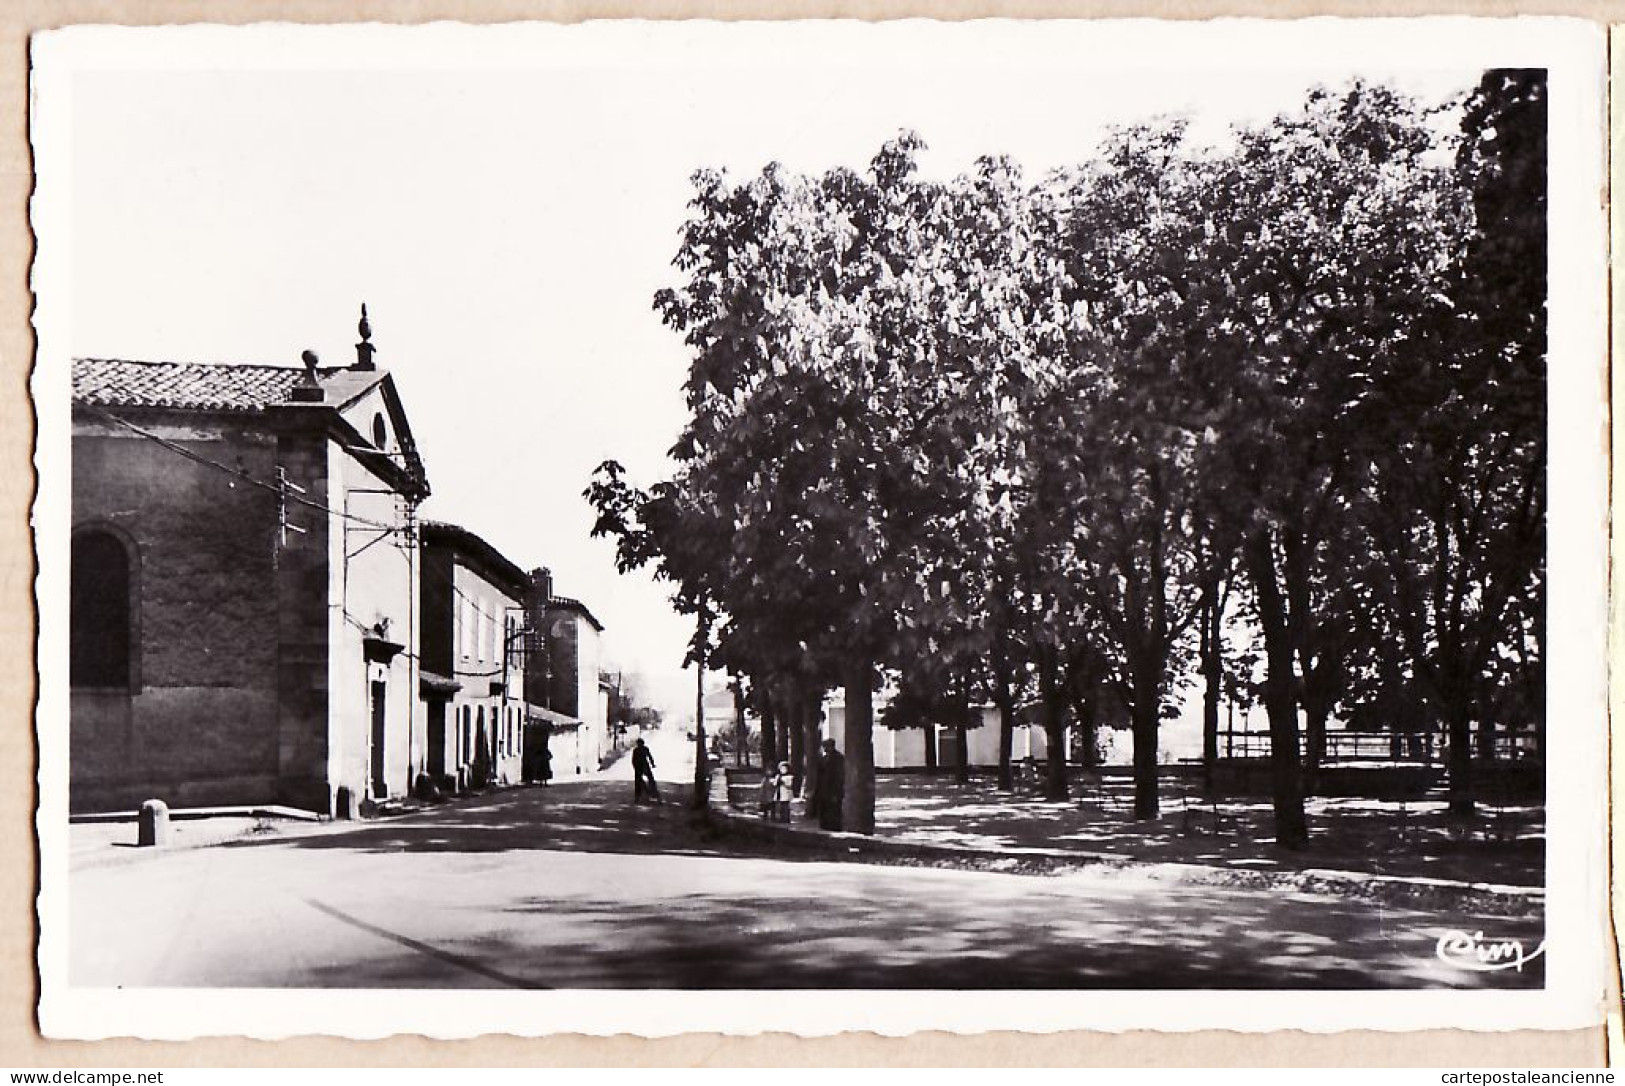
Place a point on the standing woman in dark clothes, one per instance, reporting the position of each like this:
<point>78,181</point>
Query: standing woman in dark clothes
<point>831,786</point>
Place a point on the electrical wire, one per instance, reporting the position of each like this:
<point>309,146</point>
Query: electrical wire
<point>284,492</point>
<point>237,473</point>
<point>470,600</point>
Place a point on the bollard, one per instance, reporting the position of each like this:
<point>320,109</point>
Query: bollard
<point>152,824</point>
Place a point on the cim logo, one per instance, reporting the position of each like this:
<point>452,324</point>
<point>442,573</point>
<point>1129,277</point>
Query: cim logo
<point>1473,952</point>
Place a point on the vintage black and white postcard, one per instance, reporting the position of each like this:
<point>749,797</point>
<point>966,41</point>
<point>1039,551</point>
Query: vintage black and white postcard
<point>656,527</point>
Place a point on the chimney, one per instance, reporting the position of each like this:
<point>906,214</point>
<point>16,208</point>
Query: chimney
<point>364,350</point>
<point>538,661</point>
<point>309,389</point>
<point>541,586</point>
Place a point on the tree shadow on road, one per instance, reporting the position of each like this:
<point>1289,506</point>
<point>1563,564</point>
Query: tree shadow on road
<point>971,938</point>
<point>582,817</point>
<point>1380,837</point>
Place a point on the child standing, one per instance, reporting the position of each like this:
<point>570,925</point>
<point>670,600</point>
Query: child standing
<point>784,792</point>
<point>768,798</point>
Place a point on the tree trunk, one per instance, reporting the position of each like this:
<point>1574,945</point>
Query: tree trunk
<point>1147,720</point>
<point>858,806</point>
<point>930,731</point>
<point>1459,721</point>
<point>741,755</point>
<point>1007,744</point>
<point>1280,700</point>
<point>797,742</point>
<point>770,732</point>
<point>1089,727</point>
<point>962,708</point>
<point>1318,694</point>
<point>1486,734</point>
<point>1051,700</point>
<point>1083,691</point>
<point>702,772</point>
<point>807,715</point>
<point>1212,675</point>
<point>1316,710</point>
<point>1000,672</point>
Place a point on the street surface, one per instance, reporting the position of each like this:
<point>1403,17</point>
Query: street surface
<point>573,886</point>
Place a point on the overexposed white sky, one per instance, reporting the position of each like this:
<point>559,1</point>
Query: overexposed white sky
<point>507,201</point>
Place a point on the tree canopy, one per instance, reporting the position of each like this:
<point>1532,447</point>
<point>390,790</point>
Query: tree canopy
<point>1007,438</point>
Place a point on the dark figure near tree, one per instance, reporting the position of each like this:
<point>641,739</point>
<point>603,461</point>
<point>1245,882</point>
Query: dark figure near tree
<point>644,789</point>
<point>831,787</point>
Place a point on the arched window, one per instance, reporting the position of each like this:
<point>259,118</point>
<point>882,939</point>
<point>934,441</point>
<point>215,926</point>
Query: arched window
<point>101,630</point>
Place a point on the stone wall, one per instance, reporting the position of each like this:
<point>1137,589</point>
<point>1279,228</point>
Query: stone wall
<point>198,724</point>
<point>304,626</point>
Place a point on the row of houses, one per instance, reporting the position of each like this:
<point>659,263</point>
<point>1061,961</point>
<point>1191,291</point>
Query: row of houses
<point>260,616</point>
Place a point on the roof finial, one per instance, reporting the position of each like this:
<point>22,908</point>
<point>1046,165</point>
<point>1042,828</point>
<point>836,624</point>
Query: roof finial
<point>309,387</point>
<point>364,350</point>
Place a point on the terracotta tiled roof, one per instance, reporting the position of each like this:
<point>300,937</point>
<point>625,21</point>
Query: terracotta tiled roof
<point>110,382</point>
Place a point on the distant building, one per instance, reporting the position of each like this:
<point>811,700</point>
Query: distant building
<point>473,682</point>
<point>244,585</point>
<point>719,711</point>
<point>565,682</point>
<point>905,748</point>
<point>574,639</point>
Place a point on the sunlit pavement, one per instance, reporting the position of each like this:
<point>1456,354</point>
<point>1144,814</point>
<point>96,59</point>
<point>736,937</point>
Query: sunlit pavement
<point>1415,838</point>
<point>574,886</point>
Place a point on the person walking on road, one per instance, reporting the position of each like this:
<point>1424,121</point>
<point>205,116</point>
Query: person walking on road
<point>831,787</point>
<point>644,789</point>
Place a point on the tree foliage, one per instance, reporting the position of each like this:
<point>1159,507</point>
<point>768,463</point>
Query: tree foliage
<point>1056,439</point>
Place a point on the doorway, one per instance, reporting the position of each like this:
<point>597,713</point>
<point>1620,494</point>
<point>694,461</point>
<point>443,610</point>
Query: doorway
<point>437,740</point>
<point>380,787</point>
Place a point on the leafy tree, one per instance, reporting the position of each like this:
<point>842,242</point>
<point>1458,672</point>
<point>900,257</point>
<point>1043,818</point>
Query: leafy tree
<point>1459,513</point>
<point>1313,294</point>
<point>1008,439</point>
<point>1135,233</point>
<point>809,331</point>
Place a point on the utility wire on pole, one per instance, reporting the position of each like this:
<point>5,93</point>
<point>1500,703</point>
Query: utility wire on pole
<point>510,634</point>
<point>283,486</point>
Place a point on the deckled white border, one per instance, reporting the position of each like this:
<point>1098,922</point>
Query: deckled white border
<point>1573,53</point>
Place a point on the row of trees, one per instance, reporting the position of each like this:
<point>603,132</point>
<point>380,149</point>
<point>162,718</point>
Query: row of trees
<point>1058,442</point>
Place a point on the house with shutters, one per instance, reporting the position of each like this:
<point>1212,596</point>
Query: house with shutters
<point>474,659</point>
<point>244,585</point>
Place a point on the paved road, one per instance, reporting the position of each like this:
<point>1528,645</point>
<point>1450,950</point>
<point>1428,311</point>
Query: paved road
<point>573,886</point>
<point>673,754</point>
